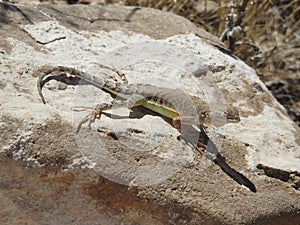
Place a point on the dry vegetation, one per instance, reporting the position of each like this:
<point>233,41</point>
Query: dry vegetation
<point>270,29</point>
<point>263,33</point>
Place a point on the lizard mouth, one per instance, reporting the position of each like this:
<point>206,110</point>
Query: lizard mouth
<point>233,118</point>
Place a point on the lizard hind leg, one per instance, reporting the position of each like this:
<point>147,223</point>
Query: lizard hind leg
<point>179,121</point>
<point>191,132</point>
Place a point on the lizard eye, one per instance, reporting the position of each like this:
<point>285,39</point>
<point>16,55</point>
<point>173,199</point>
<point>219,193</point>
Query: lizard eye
<point>228,115</point>
<point>231,116</point>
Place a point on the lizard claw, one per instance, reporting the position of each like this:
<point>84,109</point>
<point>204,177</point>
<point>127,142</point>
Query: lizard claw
<point>95,114</point>
<point>90,118</point>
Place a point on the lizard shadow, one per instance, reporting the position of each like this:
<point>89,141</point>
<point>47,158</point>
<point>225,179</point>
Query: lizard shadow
<point>212,153</point>
<point>220,160</point>
<point>211,150</point>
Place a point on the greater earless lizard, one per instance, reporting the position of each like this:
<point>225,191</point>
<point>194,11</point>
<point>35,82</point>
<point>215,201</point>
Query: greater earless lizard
<point>186,112</point>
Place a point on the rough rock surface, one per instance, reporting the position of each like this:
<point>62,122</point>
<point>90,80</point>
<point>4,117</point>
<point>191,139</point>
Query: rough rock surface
<point>51,175</point>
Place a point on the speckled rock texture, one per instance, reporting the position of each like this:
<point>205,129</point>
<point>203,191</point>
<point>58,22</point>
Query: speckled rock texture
<point>128,170</point>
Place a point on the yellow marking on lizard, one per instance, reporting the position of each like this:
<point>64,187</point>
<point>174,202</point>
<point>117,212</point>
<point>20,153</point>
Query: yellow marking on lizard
<point>162,110</point>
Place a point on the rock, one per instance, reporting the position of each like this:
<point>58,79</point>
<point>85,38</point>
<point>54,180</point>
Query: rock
<point>50,174</point>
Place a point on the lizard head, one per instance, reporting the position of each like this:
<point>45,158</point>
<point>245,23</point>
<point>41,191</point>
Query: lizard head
<point>232,115</point>
<point>222,117</point>
<point>216,117</point>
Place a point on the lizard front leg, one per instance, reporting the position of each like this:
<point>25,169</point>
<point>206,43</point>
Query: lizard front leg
<point>96,114</point>
<point>132,101</point>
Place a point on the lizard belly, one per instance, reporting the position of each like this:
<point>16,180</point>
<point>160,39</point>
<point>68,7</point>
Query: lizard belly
<point>162,110</point>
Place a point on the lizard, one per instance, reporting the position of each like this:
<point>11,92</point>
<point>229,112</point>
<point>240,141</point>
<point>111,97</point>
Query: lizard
<point>189,114</point>
<point>174,104</point>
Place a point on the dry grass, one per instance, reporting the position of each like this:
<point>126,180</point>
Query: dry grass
<point>271,28</point>
<point>269,41</point>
